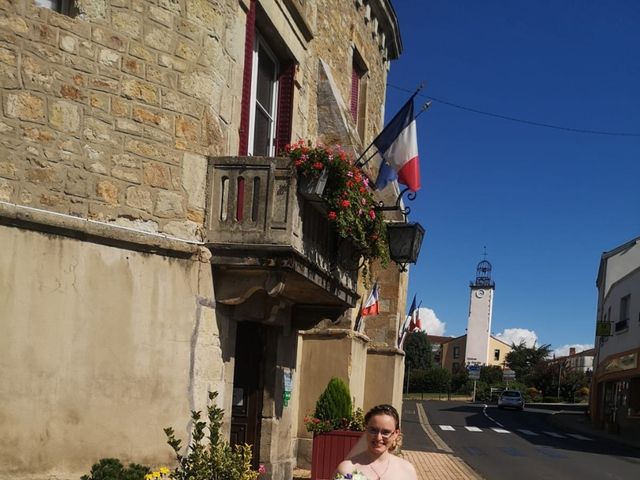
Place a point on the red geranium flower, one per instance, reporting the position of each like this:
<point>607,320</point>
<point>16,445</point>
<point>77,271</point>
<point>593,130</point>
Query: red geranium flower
<point>318,165</point>
<point>332,215</point>
<point>345,203</point>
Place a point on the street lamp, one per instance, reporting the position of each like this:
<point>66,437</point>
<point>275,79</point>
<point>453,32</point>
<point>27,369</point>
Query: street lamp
<point>404,238</point>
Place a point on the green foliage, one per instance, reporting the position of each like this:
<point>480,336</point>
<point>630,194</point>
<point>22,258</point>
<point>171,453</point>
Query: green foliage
<point>335,402</point>
<point>334,410</point>
<point>210,458</point>
<point>460,382</point>
<point>571,383</point>
<point>112,469</point>
<point>350,200</point>
<point>522,359</point>
<point>417,351</point>
<point>491,374</point>
<point>432,380</point>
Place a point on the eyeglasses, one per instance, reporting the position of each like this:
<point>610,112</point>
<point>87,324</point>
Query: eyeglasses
<point>374,432</point>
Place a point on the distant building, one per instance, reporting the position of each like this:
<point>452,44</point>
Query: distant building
<point>577,361</point>
<point>436,343</point>
<point>615,392</point>
<point>454,352</point>
<point>478,346</point>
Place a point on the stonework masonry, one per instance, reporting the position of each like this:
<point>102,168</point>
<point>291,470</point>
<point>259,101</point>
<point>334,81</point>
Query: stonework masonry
<point>108,123</point>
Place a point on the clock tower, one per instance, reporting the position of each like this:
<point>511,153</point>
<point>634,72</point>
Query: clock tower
<point>480,311</point>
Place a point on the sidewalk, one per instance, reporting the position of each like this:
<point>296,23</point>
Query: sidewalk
<point>429,466</point>
<point>582,424</point>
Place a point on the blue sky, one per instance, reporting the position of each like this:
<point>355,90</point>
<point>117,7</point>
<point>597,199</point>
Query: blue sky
<point>545,202</point>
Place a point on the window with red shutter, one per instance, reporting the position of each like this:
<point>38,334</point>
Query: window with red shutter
<point>285,107</point>
<point>267,90</point>
<point>355,91</point>
<point>358,92</point>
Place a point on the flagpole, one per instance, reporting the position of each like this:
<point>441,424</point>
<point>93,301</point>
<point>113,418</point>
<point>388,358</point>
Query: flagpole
<point>357,163</point>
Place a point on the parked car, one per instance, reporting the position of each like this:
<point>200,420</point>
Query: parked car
<point>511,399</point>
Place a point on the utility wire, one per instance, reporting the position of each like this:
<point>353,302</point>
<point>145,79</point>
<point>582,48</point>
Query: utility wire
<point>519,120</point>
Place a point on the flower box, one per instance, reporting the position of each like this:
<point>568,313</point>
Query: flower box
<point>312,188</point>
<point>329,449</point>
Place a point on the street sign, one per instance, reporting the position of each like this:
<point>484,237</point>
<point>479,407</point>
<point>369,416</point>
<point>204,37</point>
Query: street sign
<point>508,374</point>
<point>474,372</point>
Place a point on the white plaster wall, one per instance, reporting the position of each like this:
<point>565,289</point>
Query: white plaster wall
<point>479,326</point>
<point>101,348</point>
<point>621,265</point>
<point>629,339</point>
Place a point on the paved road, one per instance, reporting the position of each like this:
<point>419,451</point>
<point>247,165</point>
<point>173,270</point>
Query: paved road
<point>517,445</point>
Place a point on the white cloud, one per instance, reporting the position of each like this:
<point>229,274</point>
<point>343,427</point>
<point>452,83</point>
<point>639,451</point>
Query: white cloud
<point>564,350</point>
<point>519,335</point>
<point>430,322</point>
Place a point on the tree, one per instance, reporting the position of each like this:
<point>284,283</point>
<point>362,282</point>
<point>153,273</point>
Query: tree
<point>522,359</point>
<point>491,374</point>
<point>417,350</point>
<point>544,378</point>
<point>571,382</point>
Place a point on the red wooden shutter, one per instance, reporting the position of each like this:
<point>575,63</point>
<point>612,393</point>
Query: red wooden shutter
<point>250,32</point>
<point>285,107</point>
<point>355,91</point>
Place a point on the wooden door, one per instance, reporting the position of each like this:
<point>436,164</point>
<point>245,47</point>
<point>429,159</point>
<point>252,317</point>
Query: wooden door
<point>248,385</point>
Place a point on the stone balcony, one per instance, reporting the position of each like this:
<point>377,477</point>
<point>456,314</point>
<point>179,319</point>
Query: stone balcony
<point>264,236</point>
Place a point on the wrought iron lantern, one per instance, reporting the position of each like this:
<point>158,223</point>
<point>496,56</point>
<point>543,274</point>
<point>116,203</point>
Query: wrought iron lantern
<point>405,238</point>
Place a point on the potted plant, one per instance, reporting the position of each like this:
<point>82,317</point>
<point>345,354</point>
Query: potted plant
<point>329,174</point>
<point>336,428</point>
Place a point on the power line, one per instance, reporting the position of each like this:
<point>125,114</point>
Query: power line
<point>519,120</point>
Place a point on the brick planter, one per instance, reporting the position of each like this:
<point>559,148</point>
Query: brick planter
<point>328,450</point>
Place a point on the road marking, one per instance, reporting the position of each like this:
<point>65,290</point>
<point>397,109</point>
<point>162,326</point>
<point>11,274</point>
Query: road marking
<point>484,412</point>
<point>500,430</point>
<point>580,437</point>
<point>433,436</point>
<point>473,429</point>
<point>528,432</point>
<point>448,428</point>
<point>410,412</point>
<point>554,434</point>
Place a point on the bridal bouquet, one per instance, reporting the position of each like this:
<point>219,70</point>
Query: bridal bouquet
<point>356,475</point>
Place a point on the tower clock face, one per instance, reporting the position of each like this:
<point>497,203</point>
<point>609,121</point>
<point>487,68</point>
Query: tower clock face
<point>479,293</point>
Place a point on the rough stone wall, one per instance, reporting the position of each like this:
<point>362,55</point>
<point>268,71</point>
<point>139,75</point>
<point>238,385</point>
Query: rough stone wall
<point>109,115</point>
<point>341,27</point>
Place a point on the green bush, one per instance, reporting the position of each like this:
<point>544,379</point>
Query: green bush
<point>334,404</point>
<point>213,458</point>
<point>112,469</point>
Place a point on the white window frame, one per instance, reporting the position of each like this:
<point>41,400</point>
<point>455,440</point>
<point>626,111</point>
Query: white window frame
<point>259,42</point>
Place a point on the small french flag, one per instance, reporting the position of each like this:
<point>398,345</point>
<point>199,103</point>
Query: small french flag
<point>371,306</point>
<point>398,145</point>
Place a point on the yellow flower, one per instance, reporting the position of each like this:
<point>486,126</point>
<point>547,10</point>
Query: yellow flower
<point>164,471</point>
<point>155,474</point>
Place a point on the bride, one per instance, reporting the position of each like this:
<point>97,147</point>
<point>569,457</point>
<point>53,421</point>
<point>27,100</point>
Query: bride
<point>372,455</point>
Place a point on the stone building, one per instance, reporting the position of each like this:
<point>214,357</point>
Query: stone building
<point>154,248</point>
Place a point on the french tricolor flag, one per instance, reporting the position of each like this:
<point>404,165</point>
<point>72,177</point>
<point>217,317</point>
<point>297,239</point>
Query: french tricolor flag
<point>398,145</point>
<point>372,305</point>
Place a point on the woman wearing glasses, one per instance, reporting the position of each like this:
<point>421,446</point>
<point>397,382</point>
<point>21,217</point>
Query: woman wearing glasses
<point>372,455</point>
